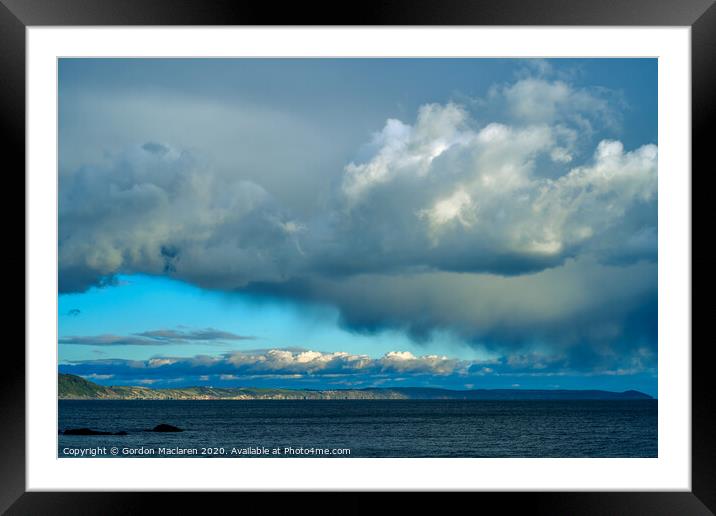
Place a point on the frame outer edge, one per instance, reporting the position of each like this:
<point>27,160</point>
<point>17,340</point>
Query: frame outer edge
<point>12,121</point>
<point>12,124</point>
<point>703,112</point>
<point>376,12</point>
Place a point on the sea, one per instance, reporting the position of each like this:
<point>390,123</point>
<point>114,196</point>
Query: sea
<point>360,428</point>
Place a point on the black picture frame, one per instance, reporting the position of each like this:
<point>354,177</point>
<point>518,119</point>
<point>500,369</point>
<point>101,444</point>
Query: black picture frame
<point>16,15</point>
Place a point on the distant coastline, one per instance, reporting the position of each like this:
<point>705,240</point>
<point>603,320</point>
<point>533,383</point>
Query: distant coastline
<point>72,387</point>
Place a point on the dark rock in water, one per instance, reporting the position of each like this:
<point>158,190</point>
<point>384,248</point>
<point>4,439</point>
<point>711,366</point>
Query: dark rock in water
<point>89,431</point>
<point>85,431</point>
<point>166,428</point>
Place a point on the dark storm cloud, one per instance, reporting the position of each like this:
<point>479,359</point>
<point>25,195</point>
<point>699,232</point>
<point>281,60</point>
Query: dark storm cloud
<point>157,214</point>
<point>502,233</point>
<point>610,309</point>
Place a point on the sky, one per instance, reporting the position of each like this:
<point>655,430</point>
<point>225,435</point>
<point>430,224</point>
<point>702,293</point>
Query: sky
<point>341,223</point>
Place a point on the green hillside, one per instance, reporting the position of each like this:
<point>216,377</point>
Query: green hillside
<point>71,386</point>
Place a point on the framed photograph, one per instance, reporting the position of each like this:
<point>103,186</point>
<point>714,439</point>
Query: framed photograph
<point>421,247</point>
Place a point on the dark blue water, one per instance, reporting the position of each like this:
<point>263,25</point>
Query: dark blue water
<point>372,428</point>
